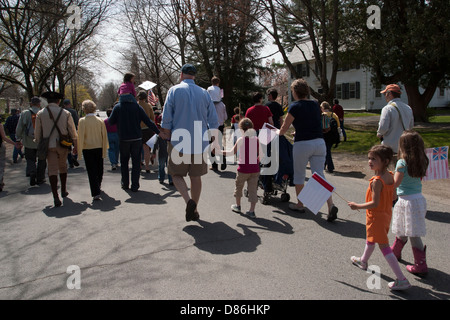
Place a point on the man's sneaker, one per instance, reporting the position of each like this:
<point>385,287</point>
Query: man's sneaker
<point>357,262</point>
<point>250,214</point>
<point>236,208</point>
<point>399,285</point>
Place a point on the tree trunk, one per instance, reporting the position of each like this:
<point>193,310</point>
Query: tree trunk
<point>419,102</point>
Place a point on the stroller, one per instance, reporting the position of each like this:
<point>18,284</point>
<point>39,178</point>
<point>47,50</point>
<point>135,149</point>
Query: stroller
<point>279,182</point>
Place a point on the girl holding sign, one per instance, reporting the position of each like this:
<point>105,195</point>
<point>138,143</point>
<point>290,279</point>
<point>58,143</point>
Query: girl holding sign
<point>378,207</point>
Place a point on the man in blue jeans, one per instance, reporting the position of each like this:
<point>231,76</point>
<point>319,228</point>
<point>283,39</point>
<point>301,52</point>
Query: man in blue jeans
<point>128,114</point>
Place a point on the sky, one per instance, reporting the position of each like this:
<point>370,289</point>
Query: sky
<point>111,38</point>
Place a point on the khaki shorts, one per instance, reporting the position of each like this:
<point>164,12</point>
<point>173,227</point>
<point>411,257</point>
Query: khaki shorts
<point>57,160</point>
<point>182,165</point>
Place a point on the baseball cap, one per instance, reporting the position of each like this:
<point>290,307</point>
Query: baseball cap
<point>392,87</point>
<point>66,102</point>
<point>189,69</point>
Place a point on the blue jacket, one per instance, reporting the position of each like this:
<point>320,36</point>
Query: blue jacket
<point>128,114</point>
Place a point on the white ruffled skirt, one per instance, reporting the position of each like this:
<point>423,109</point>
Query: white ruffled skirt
<point>408,217</point>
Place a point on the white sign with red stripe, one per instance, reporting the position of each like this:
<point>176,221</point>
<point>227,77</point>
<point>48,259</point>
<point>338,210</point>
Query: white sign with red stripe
<point>315,193</point>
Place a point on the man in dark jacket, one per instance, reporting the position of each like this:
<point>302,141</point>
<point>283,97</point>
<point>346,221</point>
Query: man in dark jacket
<point>10,125</point>
<point>128,114</point>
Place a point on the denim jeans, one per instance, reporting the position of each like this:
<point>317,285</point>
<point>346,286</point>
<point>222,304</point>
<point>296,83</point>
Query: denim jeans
<point>130,149</point>
<point>162,163</point>
<point>113,151</point>
<point>16,152</point>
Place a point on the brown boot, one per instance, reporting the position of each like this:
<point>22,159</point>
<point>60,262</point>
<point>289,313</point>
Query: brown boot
<point>63,178</point>
<point>54,186</point>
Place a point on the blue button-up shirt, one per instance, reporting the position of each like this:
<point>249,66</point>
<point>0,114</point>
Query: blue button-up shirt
<point>189,112</point>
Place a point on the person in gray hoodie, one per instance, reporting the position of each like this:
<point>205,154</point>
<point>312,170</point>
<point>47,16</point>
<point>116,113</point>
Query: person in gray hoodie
<point>35,168</point>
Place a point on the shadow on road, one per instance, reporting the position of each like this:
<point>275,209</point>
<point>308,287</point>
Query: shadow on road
<point>219,238</point>
<point>106,203</point>
<point>438,216</point>
<point>68,209</point>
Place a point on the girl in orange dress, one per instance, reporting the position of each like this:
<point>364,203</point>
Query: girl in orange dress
<point>378,205</point>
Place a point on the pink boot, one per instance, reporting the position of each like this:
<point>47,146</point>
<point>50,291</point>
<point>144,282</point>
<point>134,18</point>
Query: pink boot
<point>420,264</point>
<point>397,248</point>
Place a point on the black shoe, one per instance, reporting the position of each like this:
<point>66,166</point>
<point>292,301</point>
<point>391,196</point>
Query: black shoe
<point>57,202</point>
<point>191,206</point>
<point>332,215</point>
<point>223,166</point>
<point>32,180</point>
<point>40,181</point>
<point>76,163</point>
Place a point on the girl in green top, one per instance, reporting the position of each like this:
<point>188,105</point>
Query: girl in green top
<point>408,218</point>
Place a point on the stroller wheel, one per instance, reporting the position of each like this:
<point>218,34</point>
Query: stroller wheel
<point>285,197</point>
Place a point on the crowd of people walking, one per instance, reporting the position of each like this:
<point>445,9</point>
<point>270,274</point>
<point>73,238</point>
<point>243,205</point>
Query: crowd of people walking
<point>54,136</point>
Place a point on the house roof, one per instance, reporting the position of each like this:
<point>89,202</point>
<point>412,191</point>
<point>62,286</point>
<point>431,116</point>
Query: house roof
<point>301,50</point>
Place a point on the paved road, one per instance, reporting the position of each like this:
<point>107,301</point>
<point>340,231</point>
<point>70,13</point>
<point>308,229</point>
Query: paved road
<point>139,246</point>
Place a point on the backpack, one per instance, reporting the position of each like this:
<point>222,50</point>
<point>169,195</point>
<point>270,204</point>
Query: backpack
<point>29,130</point>
<point>326,120</point>
<point>330,130</point>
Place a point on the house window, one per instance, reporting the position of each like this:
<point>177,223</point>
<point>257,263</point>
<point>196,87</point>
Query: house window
<point>441,91</point>
<point>351,90</point>
<point>339,91</point>
<point>302,70</point>
<point>377,92</point>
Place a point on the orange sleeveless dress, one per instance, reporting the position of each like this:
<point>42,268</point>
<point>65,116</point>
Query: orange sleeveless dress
<point>378,220</point>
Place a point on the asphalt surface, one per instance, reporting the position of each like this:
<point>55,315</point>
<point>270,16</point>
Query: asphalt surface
<point>139,246</point>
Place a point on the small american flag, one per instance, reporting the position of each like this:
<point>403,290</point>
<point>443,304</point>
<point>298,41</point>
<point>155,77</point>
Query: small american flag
<point>152,99</point>
<point>438,167</point>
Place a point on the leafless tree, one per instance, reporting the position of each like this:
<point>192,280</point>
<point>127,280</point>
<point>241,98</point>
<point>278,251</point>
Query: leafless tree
<point>37,35</point>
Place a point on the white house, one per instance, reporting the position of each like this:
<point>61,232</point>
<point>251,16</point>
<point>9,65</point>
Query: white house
<point>354,88</point>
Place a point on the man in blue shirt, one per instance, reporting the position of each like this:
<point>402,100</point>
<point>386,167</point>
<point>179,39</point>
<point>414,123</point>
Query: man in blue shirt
<point>188,114</point>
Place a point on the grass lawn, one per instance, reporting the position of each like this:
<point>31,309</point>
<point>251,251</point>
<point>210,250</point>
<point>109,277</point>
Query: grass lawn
<point>439,119</point>
<point>359,114</point>
<point>360,141</point>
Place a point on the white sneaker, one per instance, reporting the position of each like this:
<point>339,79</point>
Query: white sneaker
<point>236,208</point>
<point>399,285</point>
